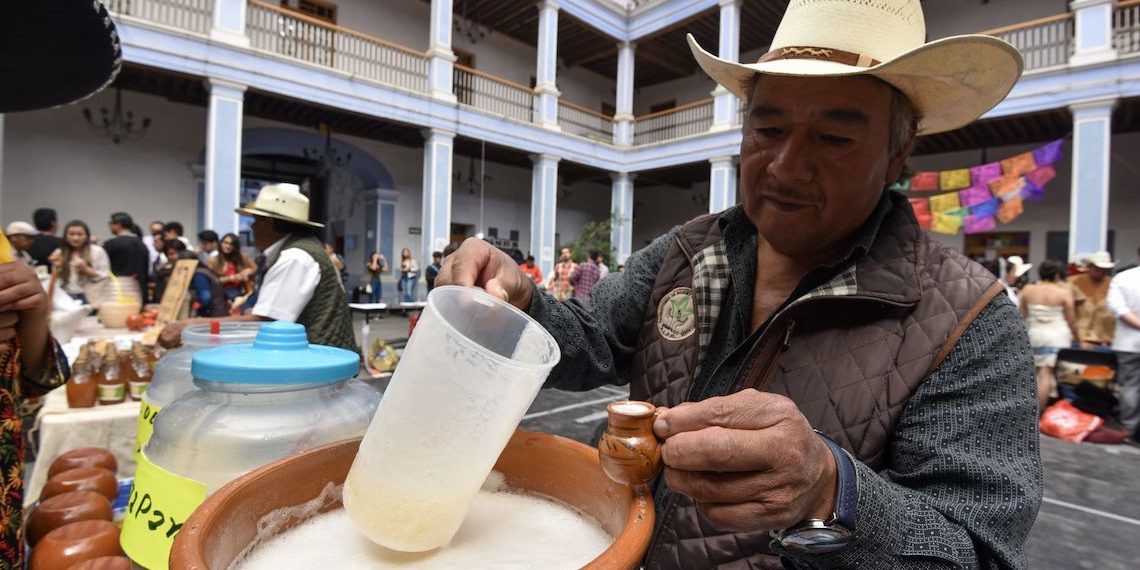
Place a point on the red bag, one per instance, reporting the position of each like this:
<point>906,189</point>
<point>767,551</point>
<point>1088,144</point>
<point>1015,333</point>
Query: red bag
<point>1068,423</point>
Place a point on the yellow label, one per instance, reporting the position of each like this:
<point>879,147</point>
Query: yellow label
<point>144,428</point>
<point>160,503</point>
<point>5,248</point>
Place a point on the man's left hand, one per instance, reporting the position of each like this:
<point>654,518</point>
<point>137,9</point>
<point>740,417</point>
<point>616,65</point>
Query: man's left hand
<point>749,460</point>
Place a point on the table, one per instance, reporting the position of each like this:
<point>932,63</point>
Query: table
<point>370,310</point>
<point>59,428</point>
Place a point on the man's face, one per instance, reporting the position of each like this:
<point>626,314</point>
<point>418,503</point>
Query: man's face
<point>1097,274</point>
<point>814,159</point>
<point>263,233</point>
<point>155,229</point>
<point>565,254</point>
<point>169,235</point>
<point>209,246</point>
<point>21,241</point>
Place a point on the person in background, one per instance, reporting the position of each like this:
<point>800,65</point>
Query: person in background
<point>1124,302</point>
<point>22,235</point>
<point>207,296</point>
<point>559,280</point>
<point>1095,322</point>
<point>1016,276</point>
<point>207,245</point>
<point>603,269</point>
<point>433,269</point>
<point>338,264</point>
<point>376,267</point>
<point>409,275</point>
<point>173,231</point>
<point>586,276</point>
<point>45,241</point>
<point>531,270</point>
<point>157,265</point>
<point>1048,308</point>
<point>149,241</point>
<point>83,266</point>
<point>234,269</point>
<point>126,252</point>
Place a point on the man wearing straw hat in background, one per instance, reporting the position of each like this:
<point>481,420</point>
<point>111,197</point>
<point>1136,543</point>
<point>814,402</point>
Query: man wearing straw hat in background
<point>53,52</point>
<point>819,304</point>
<point>1015,270</point>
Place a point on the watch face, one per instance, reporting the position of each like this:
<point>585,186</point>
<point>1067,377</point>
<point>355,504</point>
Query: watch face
<point>815,540</point>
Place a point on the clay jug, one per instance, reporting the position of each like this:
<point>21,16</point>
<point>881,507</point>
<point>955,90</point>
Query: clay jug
<point>629,452</point>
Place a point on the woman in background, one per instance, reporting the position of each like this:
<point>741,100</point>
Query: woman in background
<point>1048,309</point>
<point>376,267</point>
<point>82,265</point>
<point>233,268</point>
<point>409,275</point>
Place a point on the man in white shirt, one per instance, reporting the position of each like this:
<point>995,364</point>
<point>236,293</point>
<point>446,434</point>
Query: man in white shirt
<point>1124,302</point>
<point>21,235</point>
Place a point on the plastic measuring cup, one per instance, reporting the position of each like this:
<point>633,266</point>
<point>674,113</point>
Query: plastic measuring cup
<point>468,374</point>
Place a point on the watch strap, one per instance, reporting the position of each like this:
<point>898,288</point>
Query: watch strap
<point>846,486</point>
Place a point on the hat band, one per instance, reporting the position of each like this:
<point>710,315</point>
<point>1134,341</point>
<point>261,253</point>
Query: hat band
<point>826,54</point>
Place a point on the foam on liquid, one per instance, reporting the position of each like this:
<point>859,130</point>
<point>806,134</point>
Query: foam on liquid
<point>503,529</point>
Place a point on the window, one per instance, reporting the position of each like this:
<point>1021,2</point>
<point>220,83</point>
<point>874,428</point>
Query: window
<point>316,8</point>
<point>464,88</point>
<point>464,58</point>
<point>664,106</point>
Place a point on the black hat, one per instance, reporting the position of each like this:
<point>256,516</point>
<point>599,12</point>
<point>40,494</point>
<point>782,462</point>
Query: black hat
<point>55,52</point>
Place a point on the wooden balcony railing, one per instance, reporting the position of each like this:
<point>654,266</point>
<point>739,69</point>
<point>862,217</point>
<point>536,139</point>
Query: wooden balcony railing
<point>1126,27</point>
<point>495,94</point>
<point>689,119</point>
<point>1046,42</point>
<point>189,15</point>
<point>288,33</point>
<point>578,120</point>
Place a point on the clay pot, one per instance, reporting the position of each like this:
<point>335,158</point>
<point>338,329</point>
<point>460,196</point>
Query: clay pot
<point>65,509</point>
<point>95,479</point>
<point>77,542</point>
<point>83,457</point>
<point>538,463</point>
<point>104,563</point>
<point>629,452</point>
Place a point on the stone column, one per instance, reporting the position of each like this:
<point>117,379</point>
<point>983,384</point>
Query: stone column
<point>725,104</point>
<point>442,62</point>
<point>1092,144</point>
<point>546,88</point>
<point>543,210</point>
<point>621,211</point>
<point>438,147</point>
<point>1093,33</point>
<point>229,22</point>
<point>722,184</point>
<point>623,110</point>
<point>223,156</point>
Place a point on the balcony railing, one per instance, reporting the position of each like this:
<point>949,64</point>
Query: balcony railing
<point>189,15</point>
<point>288,33</point>
<point>495,94</point>
<point>1046,42</point>
<point>690,119</point>
<point>1126,27</point>
<point>578,120</point>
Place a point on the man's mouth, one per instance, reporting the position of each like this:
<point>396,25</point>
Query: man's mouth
<point>785,204</point>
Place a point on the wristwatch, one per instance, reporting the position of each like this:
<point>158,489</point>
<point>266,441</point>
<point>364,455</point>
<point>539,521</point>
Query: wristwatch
<point>820,536</point>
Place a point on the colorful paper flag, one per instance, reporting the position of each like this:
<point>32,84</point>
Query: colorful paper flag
<point>954,179</point>
<point>924,220</point>
<point>1032,192</point>
<point>924,181</point>
<point>944,224</point>
<point>1018,165</point>
<point>975,195</point>
<point>960,212</point>
<point>978,224</point>
<point>1048,154</point>
<point>1006,185</point>
<point>920,205</point>
<point>987,208</point>
<point>1042,175</point>
<point>985,173</point>
<point>944,202</point>
<point>1010,210</point>
<point>900,186</point>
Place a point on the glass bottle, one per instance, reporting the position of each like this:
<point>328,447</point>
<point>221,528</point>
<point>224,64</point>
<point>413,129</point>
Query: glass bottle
<point>81,386</point>
<point>112,384</point>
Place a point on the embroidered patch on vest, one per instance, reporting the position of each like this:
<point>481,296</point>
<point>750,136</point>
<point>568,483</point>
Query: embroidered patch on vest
<point>676,319</point>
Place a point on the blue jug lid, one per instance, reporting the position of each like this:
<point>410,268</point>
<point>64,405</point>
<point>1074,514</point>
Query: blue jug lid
<point>281,354</point>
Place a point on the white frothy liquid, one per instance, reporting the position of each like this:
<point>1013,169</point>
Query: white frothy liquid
<point>503,529</point>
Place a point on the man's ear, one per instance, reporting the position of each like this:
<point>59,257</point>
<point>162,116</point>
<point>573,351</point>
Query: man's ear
<point>898,161</point>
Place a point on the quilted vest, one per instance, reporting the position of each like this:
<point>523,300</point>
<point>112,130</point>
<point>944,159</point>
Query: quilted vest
<point>326,317</point>
<point>850,354</point>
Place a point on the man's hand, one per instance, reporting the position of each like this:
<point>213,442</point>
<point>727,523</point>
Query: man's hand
<point>24,312</point>
<point>749,460</point>
<point>477,263</point>
<point>171,335</point>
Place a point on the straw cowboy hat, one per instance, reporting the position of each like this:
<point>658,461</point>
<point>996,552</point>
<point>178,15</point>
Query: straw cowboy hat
<point>1018,266</point>
<point>55,52</point>
<point>951,81</point>
<point>282,202</point>
<point>1101,259</point>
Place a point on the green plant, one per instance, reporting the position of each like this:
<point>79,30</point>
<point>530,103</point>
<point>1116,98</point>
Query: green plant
<point>594,235</point>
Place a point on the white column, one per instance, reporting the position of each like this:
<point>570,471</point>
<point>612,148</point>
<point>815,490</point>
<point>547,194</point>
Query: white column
<point>621,222</point>
<point>546,88</point>
<point>623,111</point>
<point>722,184</point>
<point>229,22</point>
<point>1093,33</point>
<point>1088,209</point>
<point>725,104</point>
<point>543,209</point>
<point>438,146</point>
<point>442,62</point>
<point>223,156</point>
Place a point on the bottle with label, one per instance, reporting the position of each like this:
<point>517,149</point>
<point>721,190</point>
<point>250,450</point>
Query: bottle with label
<point>140,372</point>
<point>112,384</point>
<point>81,386</point>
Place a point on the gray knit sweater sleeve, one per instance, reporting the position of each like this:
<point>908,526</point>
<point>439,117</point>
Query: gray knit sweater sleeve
<point>598,336</point>
<point>965,476</point>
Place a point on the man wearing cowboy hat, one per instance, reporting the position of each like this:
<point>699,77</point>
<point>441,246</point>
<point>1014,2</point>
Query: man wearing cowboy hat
<point>1095,322</point>
<point>53,53</point>
<point>21,235</point>
<point>819,304</point>
<point>299,282</point>
<point>1015,276</point>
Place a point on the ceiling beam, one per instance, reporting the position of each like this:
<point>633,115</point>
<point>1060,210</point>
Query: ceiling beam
<point>591,58</point>
<point>662,61</point>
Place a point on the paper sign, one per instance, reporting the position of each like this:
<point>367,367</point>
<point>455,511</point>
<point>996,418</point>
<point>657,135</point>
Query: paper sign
<point>174,296</point>
<point>944,224</point>
<point>985,173</point>
<point>987,208</point>
<point>925,181</point>
<point>160,503</point>
<point>144,428</point>
<point>975,195</point>
<point>1010,210</point>
<point>1018,165</point>
<point>954,179</point>
<point>978,224</point>
<point>943,202</point>
<point>1042,176</point>
<point>1048,154</point>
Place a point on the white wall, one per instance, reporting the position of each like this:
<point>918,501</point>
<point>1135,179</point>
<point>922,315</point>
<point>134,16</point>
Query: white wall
<point>683,90</point>
<point>953,17</point>
<point>657,209</point>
